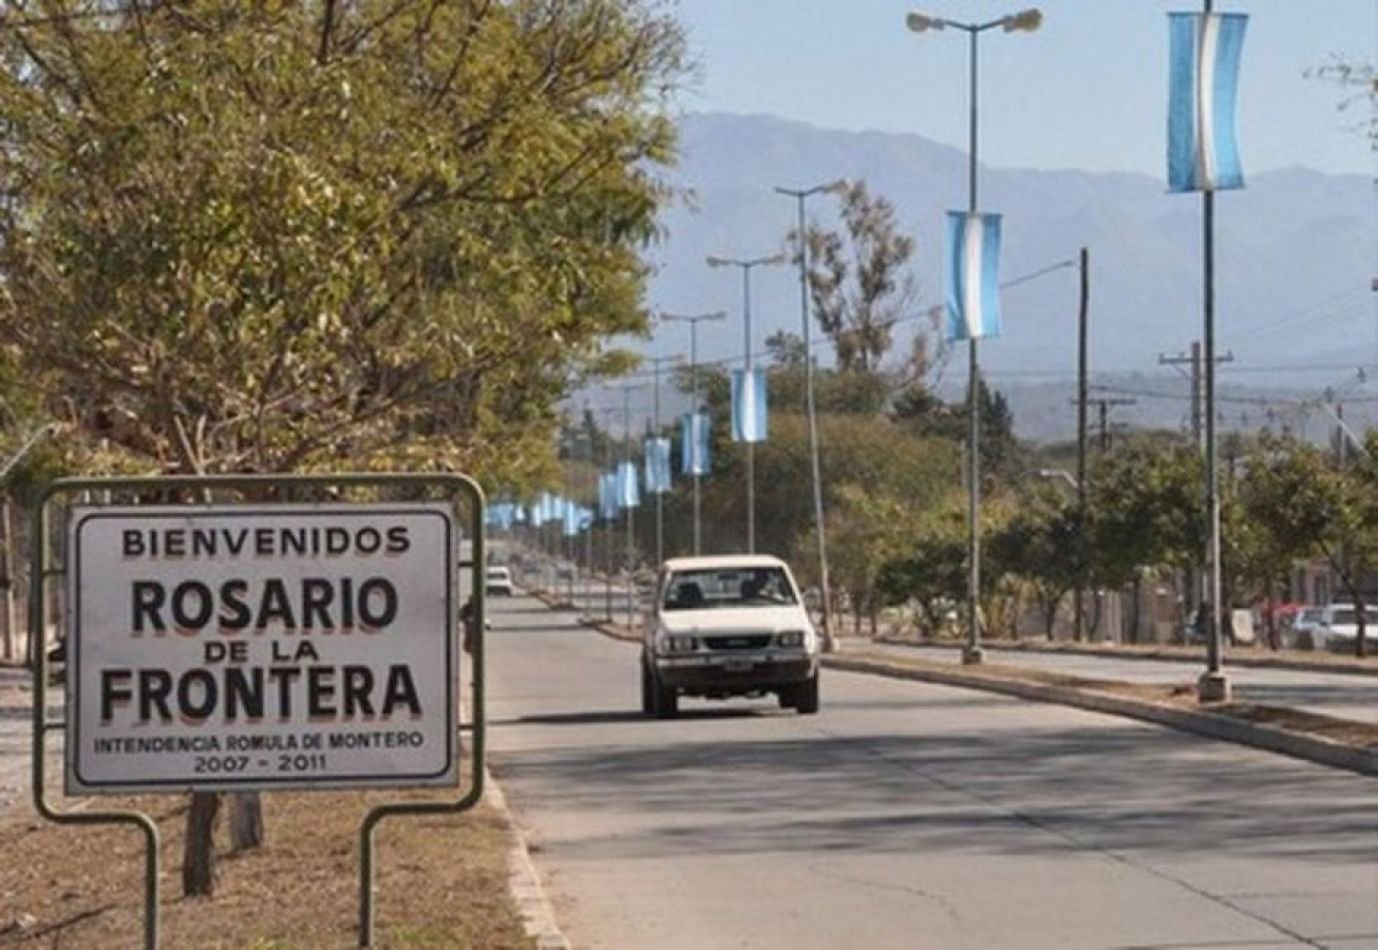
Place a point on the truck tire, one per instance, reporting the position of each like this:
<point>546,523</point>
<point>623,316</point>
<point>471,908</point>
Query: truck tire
<point>805,698</point>
<point>647,694</point>
<point>664,699</point>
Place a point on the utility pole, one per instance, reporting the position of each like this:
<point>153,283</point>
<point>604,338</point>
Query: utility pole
<point>1193,359</point>
<point>1103,407</point>
<point>1198,436</point>
<point>1083,335</point>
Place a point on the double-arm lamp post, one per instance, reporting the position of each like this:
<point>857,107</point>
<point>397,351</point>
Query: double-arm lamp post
<point>746,268</point>
<point>694,319</point>
<point>1024,21</point>
<point>801,195</point>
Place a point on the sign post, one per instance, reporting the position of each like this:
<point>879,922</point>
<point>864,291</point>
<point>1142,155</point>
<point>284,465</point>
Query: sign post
<point>225,646</point>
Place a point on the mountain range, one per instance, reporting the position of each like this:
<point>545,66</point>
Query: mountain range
<point>1295,257</point>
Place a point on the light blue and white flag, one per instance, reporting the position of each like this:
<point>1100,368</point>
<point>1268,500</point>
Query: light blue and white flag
<point>749,405</point>
<point>973,275</point>
<point>535,515</point>
<point>657,465</point>
<point>570,517</point>
<point>1203,70</point>
<point>693,443</point>
<point>627,494</point>
<point>607,495</point>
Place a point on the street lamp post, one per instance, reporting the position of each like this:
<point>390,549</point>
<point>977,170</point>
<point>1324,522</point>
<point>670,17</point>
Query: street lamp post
<point>694,319</point>
<point>800,196</point>
<point>628,466</point>
<point>1024,21</point>
<point>746,268</point>
<point>655,362</point>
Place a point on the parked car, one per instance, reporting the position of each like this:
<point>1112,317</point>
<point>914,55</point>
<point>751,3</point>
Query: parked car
<point>1340,627</point>
<point>498,580</point>
<point>1300,634</point>
<point>728,626</point>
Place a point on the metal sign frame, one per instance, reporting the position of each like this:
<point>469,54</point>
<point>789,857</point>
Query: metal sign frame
<point>46,569</point>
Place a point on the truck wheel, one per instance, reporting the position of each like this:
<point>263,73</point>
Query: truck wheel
<point>664,699</point>
<point>647,694</point>
<point>806,696</point>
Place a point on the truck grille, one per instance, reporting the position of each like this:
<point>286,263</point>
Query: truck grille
<point>738,641</point>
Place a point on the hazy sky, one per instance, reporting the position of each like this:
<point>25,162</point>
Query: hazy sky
<point>1088,90</point>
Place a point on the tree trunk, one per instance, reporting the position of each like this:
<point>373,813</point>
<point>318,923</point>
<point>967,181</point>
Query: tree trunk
<point>246,821</point>
<point>1271,603</point>
<point>1360,641</point>
<point>1136,616</point>
<point>7,578</point>
<point>198,857</point>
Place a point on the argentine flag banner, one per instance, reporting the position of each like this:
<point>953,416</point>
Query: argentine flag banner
<point>1203,70</point>
<point>607,495</point>
<point>627,494</point>
<point>694,443</point>
<point>657,465</point>
<point>973,275</point>
<point>749,405</point>
<point>571,519</point>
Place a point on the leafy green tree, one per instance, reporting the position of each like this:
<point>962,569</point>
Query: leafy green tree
<point>1002,456</point>
<point>1267,538</point>
<point>279,237</point>
<point>931,572</point>
<point>859,280</point>
<point>1038,542</point>
<point>266,237</point>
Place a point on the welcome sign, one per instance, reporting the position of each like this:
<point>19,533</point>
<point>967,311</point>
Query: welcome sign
<point>278,646</point>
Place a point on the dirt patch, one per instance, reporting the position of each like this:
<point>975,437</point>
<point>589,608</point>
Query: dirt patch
<point>441,881</point>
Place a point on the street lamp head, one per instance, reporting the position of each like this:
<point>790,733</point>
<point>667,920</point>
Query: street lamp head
<point>835,187</point>
<point>772,260</point>
<point>920,23</point>
<point>1025,21</point>
<point>718,261</point>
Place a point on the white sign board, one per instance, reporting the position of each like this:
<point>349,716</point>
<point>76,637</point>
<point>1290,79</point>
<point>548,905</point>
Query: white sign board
<point>259,647</point>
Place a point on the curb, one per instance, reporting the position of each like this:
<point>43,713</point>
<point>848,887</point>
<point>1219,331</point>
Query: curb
<point>1268,738</point>
<point>1074,649</point>
<point>538,916</point>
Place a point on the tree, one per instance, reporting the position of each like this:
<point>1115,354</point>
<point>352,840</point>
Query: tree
<point>1268,537</point>
<point>284,237</point>
<point>923,413</point>
<point>858,278</point>
<point>931,573</point>
<point>1038,542</point>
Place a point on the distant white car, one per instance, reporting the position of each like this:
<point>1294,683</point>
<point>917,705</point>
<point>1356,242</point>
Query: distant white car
<point>498,580</point>
<point>728,626</point>
<point>1340,627</point>
<point>1301,634</point>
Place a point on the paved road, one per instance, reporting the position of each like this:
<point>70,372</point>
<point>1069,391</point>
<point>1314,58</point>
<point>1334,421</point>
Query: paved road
<point>1337,694</point>
<point>909,815</point>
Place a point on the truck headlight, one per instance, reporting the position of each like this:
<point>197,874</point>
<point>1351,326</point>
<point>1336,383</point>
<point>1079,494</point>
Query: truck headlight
<point>790,638</point>
<point>682,644</point>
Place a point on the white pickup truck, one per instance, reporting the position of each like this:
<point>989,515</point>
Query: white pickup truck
<point>731,625</point>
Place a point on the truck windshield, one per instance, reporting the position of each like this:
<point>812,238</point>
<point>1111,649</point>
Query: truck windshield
<point>729,587</point>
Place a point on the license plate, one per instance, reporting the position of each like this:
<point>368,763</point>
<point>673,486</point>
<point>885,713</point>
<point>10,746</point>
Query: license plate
<point>736,666</point>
